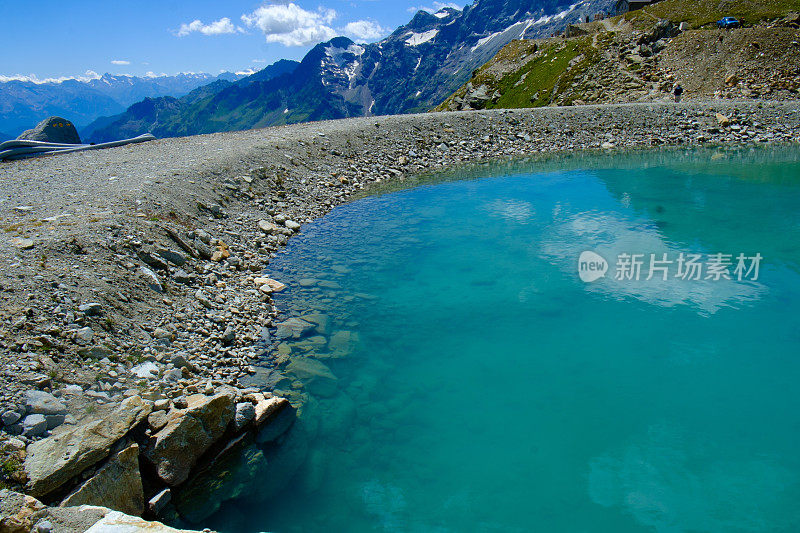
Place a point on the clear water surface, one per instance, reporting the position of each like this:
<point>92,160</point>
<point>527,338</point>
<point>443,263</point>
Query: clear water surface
<point>482,386</point>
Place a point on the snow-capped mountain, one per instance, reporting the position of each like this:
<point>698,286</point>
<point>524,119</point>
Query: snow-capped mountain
<point>414,69</point>
<point>25,102</point>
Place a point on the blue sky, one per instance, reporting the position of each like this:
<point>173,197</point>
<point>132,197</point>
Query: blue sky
<point>64,39</point>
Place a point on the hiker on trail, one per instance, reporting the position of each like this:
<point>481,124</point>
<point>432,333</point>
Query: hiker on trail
<point>678,91</point>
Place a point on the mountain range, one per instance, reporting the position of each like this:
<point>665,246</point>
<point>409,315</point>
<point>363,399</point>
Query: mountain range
<point>414,69</point>
<point>23,102</point>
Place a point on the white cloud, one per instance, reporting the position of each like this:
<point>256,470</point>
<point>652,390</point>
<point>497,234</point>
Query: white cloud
<point>120,62</point>
<point>218,27</point>
<point>437,6</point>
<point>291,25</point>
<point>33,78</point>
<point>364,30</point>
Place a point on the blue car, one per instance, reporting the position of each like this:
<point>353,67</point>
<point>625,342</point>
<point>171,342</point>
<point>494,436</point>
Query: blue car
<point>727,23</point>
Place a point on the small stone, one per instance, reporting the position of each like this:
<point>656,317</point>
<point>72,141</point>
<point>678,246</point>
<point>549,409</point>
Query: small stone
<point>268,286</point>
<point>268,227</point>
<point>161,405</point>
<point>229,336</point>
<point>45,526</point>
<point>173,256</point>
<point>245,413</point>
<point>11,417</point>
<point>146,370</point>
<point>173,375</point>
<point>157,420</point>
<point>161,333</point>
<point>294,328</point>
<point>179,361</point>
<point>292,225</point>
<point>84,335</point>
<point>53,421</point>
<point>151,279</point>
<point>722,120</point>
<point>180,276</point>
<point>159,501</point>
<point>91,309</point>
<point>22,244</point>
<point>201,297</point>
<point>34,425</point>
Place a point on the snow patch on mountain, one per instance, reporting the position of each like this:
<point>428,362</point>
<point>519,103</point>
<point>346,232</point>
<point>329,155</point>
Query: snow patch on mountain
<point>560,15</point>
<point>416,39</point>
<point>341,63</point>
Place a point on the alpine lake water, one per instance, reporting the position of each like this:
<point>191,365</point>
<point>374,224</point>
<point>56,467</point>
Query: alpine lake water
<point>463,377</point>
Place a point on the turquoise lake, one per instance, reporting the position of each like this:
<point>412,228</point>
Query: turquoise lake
<point>481,385</point>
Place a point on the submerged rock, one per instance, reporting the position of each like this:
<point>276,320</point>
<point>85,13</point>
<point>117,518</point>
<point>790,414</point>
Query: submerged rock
<point>230,475</point>
<point>294,328</point>
<point>53,461</point>
<point>318,378</point>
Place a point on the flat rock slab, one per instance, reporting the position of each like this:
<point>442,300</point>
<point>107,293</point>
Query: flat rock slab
<point>53,461</point>
<point>294,328</point>
<point>307,368</point>
<point>116,522</point>
<point>118,485</point>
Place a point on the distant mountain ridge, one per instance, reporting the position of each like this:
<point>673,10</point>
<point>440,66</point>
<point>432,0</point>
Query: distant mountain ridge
<point>183,116</point>
<point>414,69</point>
<point>24,103</point>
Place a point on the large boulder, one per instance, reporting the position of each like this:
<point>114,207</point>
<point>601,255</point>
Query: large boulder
<point>53,461</point>
<point>118,485</point>
<point>43,403</point>
<point>189,433</point>
<point>53,130</point>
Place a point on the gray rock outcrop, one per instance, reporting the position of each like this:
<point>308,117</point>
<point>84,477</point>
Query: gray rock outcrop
<point>53,461</point>
<point>53,130</point>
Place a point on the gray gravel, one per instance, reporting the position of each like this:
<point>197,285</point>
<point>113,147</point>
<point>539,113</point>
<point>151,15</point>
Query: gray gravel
<point>152,253</point>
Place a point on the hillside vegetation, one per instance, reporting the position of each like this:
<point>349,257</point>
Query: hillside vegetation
<point>699,13</point>
<point>641,56</point>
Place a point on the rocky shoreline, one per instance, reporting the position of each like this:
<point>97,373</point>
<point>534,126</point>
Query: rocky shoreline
<point>136,294</point>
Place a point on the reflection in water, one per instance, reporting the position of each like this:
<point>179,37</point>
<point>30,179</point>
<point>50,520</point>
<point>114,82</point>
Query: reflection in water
<point>454,374</point>
<point>672,483</point>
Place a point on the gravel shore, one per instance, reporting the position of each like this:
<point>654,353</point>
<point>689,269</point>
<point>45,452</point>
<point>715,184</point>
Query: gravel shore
<point>137,270</point>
